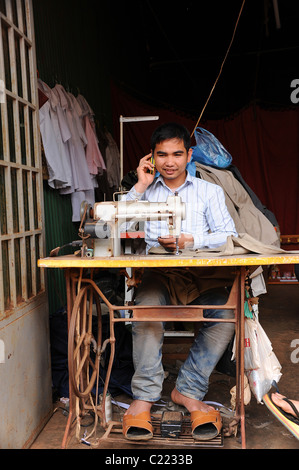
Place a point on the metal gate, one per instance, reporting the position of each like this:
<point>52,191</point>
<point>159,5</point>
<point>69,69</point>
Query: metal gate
<point>25,375</point>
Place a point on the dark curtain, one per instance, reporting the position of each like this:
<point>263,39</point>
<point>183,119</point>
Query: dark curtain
<point>264,145</point>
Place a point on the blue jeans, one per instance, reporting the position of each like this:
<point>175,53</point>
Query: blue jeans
<point>206,351</point>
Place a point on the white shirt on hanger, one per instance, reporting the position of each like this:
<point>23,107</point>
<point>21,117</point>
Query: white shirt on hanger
<point>55,134</point>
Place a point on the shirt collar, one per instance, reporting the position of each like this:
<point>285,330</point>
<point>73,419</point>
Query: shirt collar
<point>189,180</point>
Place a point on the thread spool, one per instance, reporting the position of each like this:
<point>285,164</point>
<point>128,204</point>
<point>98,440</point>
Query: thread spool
<point>108,406</point>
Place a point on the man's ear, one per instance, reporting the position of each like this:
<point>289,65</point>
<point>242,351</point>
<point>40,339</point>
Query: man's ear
<point>189,154</point>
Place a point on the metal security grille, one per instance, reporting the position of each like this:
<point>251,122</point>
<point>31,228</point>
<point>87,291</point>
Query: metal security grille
<point>20,162</point>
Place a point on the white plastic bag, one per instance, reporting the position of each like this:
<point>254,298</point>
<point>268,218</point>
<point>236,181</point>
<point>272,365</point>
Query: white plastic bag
<point>260,380</point>
<point>257,345</point>
<point>261,365</point>
<point>251,355</point>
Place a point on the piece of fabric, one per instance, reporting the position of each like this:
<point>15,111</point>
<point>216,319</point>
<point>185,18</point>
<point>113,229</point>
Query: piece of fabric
<point>81,176</point>
<point>95,161</point>
<point>256,201</point>
<point>241,245</point>
<point>244,244</point>
<point>55,134</point>
<point>246,216</point>
<point>94,158</point>
<point>112,162</point>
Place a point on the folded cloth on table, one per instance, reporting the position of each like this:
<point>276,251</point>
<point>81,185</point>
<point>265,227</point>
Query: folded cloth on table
<point>243,244</point>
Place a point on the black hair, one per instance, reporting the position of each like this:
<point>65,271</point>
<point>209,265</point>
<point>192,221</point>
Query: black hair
<point>171,130</point>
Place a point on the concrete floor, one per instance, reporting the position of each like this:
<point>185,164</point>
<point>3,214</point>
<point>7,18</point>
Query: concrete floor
<point>279,316</point>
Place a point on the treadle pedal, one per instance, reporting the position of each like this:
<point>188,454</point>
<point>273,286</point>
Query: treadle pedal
<point>171,424</point>
<point>183,439</point>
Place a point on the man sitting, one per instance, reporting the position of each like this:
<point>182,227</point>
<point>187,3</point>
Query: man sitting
<point>207,224</point>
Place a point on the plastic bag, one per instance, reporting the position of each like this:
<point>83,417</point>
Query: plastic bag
<point>209,151</point>
<point>261,365</point>
<point>257,347</point>
<point>261,380</point>
<point>251,355</point>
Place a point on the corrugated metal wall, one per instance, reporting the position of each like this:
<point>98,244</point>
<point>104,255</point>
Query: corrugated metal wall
<point>59,231</point>
<point>71,48</point>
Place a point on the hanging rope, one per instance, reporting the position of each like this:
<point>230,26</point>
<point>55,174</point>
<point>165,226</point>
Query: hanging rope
<point>223,62</point>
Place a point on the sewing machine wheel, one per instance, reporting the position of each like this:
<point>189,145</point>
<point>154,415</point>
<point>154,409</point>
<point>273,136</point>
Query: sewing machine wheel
<point>85,209</point>
<point>83,349</point>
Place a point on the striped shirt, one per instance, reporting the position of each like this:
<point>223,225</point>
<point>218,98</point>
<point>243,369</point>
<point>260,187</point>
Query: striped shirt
<point>207,218</point>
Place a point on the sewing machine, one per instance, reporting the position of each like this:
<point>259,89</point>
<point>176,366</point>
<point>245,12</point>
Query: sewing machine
<point>102,225</point>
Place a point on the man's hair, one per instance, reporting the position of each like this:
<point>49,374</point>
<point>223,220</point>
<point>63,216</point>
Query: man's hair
<point>171,130</point>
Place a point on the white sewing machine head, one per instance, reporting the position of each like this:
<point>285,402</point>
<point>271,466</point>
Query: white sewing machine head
<point>107,220</point>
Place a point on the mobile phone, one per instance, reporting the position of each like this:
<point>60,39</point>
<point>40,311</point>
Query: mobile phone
<point>153,162</point>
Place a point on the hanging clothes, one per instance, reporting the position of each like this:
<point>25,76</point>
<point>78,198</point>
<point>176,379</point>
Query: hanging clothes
<point>85,107</point>
<point>82,180</point>
<point>76,143</point>
<point>94,158</point>
<point>72,150</point>
<point>112,162</point>
<point>95,161</point>
<point>55,134</point>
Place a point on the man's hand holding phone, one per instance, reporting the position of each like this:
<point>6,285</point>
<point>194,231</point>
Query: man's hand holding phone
<point>145,172</point>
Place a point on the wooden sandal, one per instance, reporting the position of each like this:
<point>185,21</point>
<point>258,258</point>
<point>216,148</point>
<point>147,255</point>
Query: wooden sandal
<point>205,426</point>
<point>138,427</point>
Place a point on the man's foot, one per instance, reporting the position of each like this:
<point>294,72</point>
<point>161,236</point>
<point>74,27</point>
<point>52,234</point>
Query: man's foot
<point>190,403</point>
<point>278,400</point>
<point>205,420</point>
<point>137,421</point>
<point>138,406</point>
